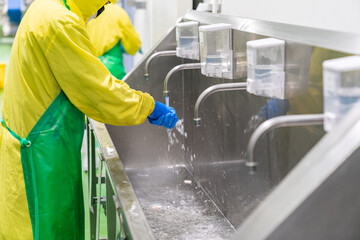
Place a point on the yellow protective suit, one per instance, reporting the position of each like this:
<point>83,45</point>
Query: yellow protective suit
<point>112,33</point>
<point>52,52</point>
<point>110,28</point>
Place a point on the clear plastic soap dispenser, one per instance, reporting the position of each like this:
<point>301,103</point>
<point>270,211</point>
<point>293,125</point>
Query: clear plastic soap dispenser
<point>187,38</point>
<point>341,78</point>
<point>216,52</point>
<point>266,60</point>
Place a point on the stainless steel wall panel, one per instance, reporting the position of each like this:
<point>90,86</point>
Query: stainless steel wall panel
<point>318,199</point>
<point>337,41</point>
<point>332,212</point>
<point>214,153</point>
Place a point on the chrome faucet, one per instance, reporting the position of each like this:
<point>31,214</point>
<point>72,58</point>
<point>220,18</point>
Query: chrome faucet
<point>213,89</point>
<point>186,66</point>
<point>155,55</point>
<point>277,122</point>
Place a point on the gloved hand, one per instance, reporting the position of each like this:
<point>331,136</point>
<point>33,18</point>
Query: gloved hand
<point>163,116</point>
<point>274,108</point>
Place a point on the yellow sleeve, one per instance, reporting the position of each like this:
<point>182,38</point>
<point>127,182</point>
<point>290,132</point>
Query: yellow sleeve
<point>130,38</point>
<point>89,85</point>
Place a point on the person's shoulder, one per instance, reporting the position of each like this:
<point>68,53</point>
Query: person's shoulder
<point>50,16</point>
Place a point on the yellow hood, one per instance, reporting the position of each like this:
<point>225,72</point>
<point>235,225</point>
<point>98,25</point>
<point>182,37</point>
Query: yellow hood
<point>86,8</point>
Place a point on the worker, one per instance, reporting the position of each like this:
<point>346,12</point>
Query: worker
<point>54,79</point>
<point>112,34</point>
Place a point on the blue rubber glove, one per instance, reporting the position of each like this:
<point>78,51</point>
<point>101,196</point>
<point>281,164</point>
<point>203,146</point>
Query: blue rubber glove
<point>274,108</point>
<point>163,116</point>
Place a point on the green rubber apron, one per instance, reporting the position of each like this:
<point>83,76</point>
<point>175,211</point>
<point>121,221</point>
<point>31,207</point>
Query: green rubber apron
<point>113,60</point>
<point>51,162</point>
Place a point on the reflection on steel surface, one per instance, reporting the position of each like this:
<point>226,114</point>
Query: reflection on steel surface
<point>337,41</point>
<point>277,122</point>
<point>213,89</point>
<point>318,198</point>
<point>153,56</point>
<point>177,207</point>
<point>187,66</point>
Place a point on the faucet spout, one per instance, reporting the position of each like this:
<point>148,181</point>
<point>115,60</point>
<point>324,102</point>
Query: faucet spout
<point>155,55</point>
<point>186,66</point>
<point>277,122</point>
<point>213,89</point>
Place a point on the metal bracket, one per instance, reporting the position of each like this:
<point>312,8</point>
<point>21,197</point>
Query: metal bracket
<point>140,4</point>
<point>137,4</point>
<point>101,156</point>
<point>91,128</point>
<point>102,200</point>
<point>103,180</point>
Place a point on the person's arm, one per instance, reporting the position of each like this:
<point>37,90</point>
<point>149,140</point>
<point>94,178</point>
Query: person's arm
<point>130,38</point>
<point>89,85</point>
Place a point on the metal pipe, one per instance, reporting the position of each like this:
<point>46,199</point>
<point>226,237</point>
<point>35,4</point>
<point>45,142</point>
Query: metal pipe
<point>277,122</point>
<point>99,199</point>
<point>186,66</point>
<point>213,89</point>
<point>155,55</point>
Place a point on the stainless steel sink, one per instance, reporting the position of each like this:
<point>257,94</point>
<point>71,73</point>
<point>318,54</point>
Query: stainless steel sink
<point>176,207</point>
<point>192,182</point>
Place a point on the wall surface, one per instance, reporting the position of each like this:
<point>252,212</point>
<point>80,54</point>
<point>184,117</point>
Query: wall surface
<point>163,15</point>
<point>152,19</point>
<point>333,15</point>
